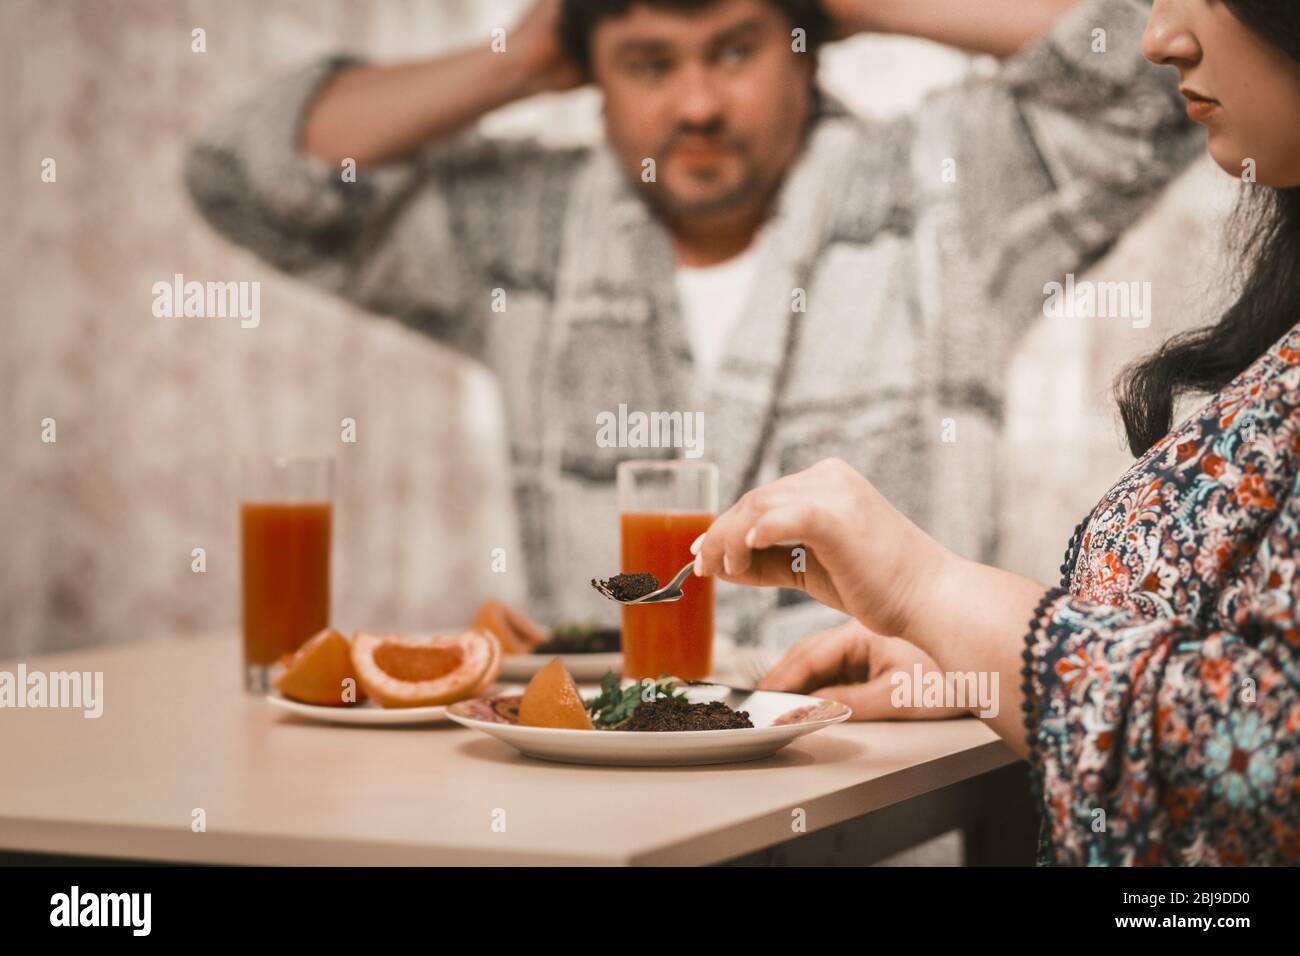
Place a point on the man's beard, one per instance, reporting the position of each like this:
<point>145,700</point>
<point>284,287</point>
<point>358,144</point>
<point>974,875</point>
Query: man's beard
<point>665,201</point>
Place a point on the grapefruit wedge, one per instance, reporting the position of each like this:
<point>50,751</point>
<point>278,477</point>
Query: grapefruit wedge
<point>316,672</point>
<point>401,671</point>
<point>516,632</point>
<point>552,700</point>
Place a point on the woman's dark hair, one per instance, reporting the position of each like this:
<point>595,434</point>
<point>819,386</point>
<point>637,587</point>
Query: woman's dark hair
<point>1268,220</point>
<point>579,17</point>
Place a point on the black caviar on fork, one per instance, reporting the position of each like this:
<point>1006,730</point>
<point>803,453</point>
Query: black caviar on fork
<point>627,587</point>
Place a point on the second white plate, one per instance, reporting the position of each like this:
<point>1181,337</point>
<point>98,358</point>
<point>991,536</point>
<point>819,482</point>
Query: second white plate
<point>369,714</point>
<point>584,668</point>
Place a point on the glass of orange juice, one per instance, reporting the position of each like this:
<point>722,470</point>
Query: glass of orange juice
<point>663,507</point>
<point>285,515</point>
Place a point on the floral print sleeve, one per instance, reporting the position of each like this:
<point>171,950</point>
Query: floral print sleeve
<point>1162,680</point>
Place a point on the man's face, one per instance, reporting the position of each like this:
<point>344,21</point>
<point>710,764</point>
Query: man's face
<point>716,97</point>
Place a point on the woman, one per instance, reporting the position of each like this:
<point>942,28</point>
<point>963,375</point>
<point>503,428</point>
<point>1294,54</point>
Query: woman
<point>1156,691</point>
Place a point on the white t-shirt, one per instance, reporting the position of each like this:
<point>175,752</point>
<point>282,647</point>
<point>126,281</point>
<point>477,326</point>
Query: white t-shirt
<point>712,300</point>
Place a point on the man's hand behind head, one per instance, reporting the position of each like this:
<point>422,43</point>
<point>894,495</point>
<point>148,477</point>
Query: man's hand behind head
<point>536,39</point>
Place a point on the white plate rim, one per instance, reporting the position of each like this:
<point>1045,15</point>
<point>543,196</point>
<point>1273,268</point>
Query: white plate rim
<point>359,715</point>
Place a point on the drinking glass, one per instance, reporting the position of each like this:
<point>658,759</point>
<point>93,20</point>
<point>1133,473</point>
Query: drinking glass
<point>663,507</point>
<point>285,515</point>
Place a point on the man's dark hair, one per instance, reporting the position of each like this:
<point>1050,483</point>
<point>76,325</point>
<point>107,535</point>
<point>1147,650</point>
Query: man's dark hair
<point>578,19</point>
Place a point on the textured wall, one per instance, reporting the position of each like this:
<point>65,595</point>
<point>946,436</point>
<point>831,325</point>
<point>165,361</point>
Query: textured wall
<point>152,413</point>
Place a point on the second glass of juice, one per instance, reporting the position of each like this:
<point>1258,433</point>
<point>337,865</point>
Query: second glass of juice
<point>664,506</point>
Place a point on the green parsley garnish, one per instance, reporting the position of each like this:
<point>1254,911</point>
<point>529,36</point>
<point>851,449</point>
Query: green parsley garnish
<point>615,704</point>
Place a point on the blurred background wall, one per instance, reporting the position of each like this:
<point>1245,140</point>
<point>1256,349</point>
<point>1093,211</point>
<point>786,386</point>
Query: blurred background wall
<point>151,414</point>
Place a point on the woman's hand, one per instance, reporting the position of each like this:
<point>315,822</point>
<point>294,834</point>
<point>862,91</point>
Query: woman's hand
<point>859,555</point>
<point>853,551</point>
<point>855,666</point>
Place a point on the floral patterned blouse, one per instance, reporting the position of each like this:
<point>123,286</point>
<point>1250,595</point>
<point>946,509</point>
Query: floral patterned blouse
<point>1162,678</point>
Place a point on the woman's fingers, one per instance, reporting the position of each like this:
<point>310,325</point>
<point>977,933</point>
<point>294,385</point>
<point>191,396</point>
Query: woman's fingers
<point>723,550</point>
<point>772,568</point>
<point>755,523</point>
<point>818,659</point>
<point>798,674</point>
<point>797,521</point>
<point>868,701</point>
<point>788,509</point>
<point>836,665</point>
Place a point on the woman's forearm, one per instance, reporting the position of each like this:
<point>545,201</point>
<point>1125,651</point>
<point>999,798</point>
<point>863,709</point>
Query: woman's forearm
<point>973,618</point>
<point>998,27</point>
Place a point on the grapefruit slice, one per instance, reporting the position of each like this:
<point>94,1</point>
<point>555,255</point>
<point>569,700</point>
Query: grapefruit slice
<point>401,671</point>
<point>493,669</point>
<point>552,700</point>
<point>516,632</point>
<point>315,674</point>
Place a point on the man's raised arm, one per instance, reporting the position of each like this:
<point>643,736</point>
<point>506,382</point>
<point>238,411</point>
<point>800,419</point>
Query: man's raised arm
<point>997,27</point>
<point>376,114</point>
<point>1033,171</point>
<point>364,180</point>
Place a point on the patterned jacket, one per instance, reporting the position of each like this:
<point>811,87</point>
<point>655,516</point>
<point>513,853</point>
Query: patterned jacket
<point>1162,678</point>
<point>915,287</point>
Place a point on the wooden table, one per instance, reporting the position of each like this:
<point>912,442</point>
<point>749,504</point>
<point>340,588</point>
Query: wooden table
<point>178,735</point>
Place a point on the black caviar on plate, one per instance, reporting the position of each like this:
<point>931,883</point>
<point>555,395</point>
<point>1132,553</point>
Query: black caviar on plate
<point>582,639</point>
<point>677,713</point>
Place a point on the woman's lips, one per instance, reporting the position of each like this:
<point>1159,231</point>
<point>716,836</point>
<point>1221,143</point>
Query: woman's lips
<point>1200,107</point>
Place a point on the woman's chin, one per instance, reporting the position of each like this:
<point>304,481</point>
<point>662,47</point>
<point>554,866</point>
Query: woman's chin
<point>1245,165</point>
<point>1228,157</point>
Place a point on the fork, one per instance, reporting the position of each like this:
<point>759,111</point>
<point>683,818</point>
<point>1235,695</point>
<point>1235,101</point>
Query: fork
<point>672,591</point>
<point>751,665</point>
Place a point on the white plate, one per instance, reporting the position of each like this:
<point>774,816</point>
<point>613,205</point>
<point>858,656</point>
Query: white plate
<point>582,667</point>
<point>803,715</point>
<point>368,713</point>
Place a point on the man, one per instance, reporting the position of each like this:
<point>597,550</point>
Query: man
<point>814,283</point>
